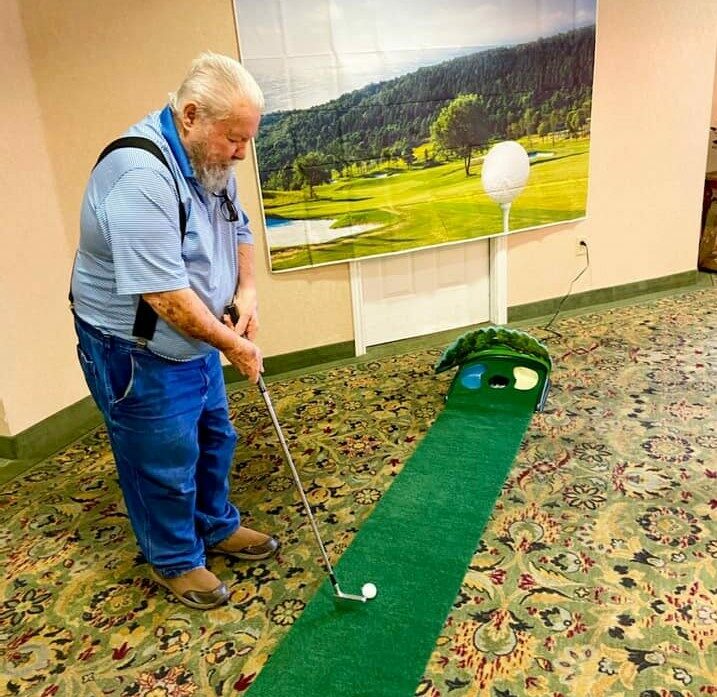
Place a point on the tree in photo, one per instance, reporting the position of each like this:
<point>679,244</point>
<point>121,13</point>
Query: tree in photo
<point>311,170</point>
<point>280,179</point>
<point>408,157</point>
<point>461,127</point>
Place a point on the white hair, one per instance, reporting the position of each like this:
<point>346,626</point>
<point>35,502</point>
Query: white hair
<point>214,83</point>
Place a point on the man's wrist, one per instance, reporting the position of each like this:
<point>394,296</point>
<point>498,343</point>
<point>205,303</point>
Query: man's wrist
<point>228,340</point>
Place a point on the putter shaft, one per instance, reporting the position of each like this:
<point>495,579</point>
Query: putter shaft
<point>338,593</point>
<point>297,481</point>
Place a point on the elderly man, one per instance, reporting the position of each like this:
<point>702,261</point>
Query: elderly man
<point>163,282</point>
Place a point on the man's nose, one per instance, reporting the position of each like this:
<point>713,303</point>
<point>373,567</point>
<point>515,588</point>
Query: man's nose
<point>239,152</point>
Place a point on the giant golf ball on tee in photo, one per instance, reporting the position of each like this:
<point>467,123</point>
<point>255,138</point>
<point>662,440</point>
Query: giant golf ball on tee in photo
<point>505,172</point>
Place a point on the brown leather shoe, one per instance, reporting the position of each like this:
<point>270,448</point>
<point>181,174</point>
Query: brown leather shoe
<point>247,544</point>
<point>201,599</point>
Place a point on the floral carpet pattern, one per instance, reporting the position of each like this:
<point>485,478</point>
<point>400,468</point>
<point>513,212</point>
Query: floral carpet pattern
<point>596,574</point>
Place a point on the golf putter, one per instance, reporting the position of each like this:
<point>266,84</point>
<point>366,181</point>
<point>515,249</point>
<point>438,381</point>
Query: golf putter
<point>368,590</point>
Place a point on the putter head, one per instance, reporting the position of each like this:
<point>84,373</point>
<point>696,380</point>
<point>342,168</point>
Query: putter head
<point>368,592</point>
<point>348,596</point>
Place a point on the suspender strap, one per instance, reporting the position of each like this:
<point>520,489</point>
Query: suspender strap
<point>145,320</point>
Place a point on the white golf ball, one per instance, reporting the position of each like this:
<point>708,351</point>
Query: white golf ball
<point>369,590</point>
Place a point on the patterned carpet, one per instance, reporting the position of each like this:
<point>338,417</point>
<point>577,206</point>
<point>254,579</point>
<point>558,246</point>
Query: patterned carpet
<point>597,573</point>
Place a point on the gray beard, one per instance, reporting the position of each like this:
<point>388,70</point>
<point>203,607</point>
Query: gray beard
<point>214,178</point>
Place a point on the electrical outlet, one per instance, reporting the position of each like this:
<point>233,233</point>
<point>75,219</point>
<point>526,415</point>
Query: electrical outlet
<point>581,246</point>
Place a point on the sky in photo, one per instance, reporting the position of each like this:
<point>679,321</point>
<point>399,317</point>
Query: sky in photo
<point>308,52</point>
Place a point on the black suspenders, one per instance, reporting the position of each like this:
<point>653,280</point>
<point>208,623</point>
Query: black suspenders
<point>145,320</point>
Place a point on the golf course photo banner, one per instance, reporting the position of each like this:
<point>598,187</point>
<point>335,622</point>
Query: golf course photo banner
<point>396,125</point>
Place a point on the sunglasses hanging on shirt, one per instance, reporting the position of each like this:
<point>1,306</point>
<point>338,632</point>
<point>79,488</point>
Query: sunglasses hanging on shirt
<point>227,207</point>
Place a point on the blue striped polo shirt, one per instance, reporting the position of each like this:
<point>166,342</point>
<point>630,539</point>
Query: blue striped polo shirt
<point>130,241</point>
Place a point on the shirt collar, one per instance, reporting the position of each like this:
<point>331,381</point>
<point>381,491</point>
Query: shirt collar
<point>169,131</point>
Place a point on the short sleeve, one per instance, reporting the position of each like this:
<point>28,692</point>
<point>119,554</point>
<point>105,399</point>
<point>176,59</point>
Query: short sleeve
<point>243,233</point>
<point>241,228</point>
<point>142,217</point>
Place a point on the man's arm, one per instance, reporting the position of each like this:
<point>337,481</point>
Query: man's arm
<point>184,310</point>
<point>248,324</point>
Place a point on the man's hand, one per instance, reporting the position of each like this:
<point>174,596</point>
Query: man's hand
<point>248,324</point>
<point>246,358</point>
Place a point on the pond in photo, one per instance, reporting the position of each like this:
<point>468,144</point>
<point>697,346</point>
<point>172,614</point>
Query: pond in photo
<point>281,232</point>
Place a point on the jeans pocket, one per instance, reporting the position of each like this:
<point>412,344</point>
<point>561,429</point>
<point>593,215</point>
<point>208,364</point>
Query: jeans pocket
<point>90,371</point>
<point>87,365</point>
<point>122,371</point>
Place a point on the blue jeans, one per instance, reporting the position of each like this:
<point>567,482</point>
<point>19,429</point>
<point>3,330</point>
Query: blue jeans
<point>173,443</point>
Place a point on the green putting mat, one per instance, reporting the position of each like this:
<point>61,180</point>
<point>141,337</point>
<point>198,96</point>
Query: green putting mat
<point>415,547</point>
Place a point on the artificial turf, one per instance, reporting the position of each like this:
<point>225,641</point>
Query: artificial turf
<point>415,547</point>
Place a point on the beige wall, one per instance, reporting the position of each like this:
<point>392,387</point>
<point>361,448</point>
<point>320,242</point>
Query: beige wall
<point>714,98</point>
<point>38,374</point>
<point>82,71</point>
<point>712,155</point>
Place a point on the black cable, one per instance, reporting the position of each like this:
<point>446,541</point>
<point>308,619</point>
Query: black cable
<point>547,328</point>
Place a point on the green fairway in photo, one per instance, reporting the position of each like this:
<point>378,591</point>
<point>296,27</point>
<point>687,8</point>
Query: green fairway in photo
<point>412,208</point>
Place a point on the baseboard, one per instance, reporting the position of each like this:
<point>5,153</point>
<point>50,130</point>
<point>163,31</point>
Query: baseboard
<point>70,423</point>
<point>52,433</point>
<point>601,296</point>
<point>307,358</point>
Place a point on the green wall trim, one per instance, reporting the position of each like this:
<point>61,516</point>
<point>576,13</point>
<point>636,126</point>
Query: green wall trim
<point>7,447</point>
<point>520,313</point>
<point>70,423</point>
<point>52,433</point>
<point>286,362</point>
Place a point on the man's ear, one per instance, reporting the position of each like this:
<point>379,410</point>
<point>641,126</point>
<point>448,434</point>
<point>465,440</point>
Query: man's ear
<point>189,115</point>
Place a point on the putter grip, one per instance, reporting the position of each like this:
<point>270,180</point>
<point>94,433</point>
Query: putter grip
<point>232,311</point>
